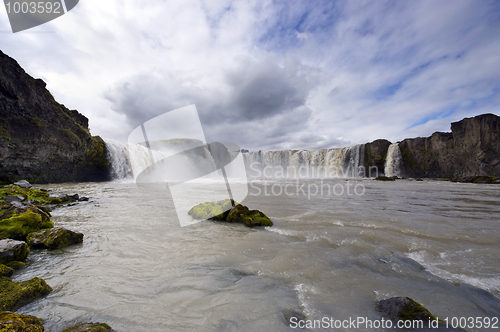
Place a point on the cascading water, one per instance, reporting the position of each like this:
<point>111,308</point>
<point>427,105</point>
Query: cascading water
<point>128,160</point>
<point>325,163</point>
<point>393,161</point>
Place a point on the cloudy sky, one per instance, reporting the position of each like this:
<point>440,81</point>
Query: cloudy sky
<point>271,74</point>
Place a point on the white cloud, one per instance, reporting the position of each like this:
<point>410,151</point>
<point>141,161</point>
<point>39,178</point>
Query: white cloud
<point>283,75</point>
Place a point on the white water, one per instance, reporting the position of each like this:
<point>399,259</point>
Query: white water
<point>128,160</point>
<point>345,162</point>
<point>393,161</point>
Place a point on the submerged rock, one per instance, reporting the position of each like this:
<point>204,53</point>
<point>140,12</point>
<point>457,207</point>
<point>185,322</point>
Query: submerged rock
<point>16,294</point>
<point>54,238</point>
<point>223,211</point>
<point>385,178</point>
<point>89,327</point>
<point>12,250</point>
<point>11,322</point>
<point>6,271</point>
<point>403,308</point>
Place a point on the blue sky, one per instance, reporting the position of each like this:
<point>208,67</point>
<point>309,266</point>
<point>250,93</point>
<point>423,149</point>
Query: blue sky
<point>271,74</point>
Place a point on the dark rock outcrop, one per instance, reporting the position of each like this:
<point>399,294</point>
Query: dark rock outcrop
<point>41,140</point>
<point>375,157</point>
<point>12,322</point>
<point>471,149</point>
<point>54,238</point>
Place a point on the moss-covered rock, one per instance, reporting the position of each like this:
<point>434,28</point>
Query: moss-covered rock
<point>27,193</point>
<point>19,225</point>
<point>16,294</point>
<point>16,265</point>
<point>6,271</point>
<point>18,219</point>
<point>89,327</point>
<point>223,211</point>
<point>212,210</point>
<point>54,238</point>
<point>12,322</point>
<point>403,308</point>
<point>12,250</point>
<point>250,218</point>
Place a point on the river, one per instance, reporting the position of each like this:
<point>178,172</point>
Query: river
<point>327,255</point>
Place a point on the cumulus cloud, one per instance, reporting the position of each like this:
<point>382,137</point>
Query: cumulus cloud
<point>271,75</point>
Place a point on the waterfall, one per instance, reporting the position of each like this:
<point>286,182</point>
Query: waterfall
<point>128,160</point>
<point>345,162</point>
<point>393,161</point>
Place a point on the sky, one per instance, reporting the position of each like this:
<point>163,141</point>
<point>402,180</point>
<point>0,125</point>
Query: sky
<point>271,75</point>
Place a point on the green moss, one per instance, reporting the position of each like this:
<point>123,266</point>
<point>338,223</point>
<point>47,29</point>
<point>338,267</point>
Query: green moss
<point>96,154</point>
<point>6,271</point>
<point>55,238</point>
<point>27,193</point>
<point>55,200</point>
<point>4,129</point>
<point>11,322</point>
<point>379,159</point>
<point>20,225</point>
<point>16,265</point>
<point>414,311</point>
<point>249,218</point>
<point>89,327</point>
<point>16,294</point>
<point>238,214</point>
<point>38,122</point>
<point>74,138</point>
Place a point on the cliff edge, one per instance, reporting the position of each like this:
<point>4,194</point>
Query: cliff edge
<point>41,140</point>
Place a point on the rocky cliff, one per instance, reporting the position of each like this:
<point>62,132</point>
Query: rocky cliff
<point>41,140</point>
<point>471,149</point>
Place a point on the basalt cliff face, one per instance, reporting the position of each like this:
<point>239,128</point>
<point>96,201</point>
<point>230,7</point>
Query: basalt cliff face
<point>471,149</point>
<point>41,140</point>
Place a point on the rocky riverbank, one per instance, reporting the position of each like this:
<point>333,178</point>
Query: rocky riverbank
<point>25,224</point>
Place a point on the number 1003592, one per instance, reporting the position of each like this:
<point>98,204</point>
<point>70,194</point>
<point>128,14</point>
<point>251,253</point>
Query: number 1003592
<point>17,7</point>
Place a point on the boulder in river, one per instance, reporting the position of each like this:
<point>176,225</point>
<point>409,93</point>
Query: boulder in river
<point>12,322</point>
<point>12,250</point>
<point>403,308</point>
<point>16,294</point>
<point>54,238</point>
<point>223,211</point>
